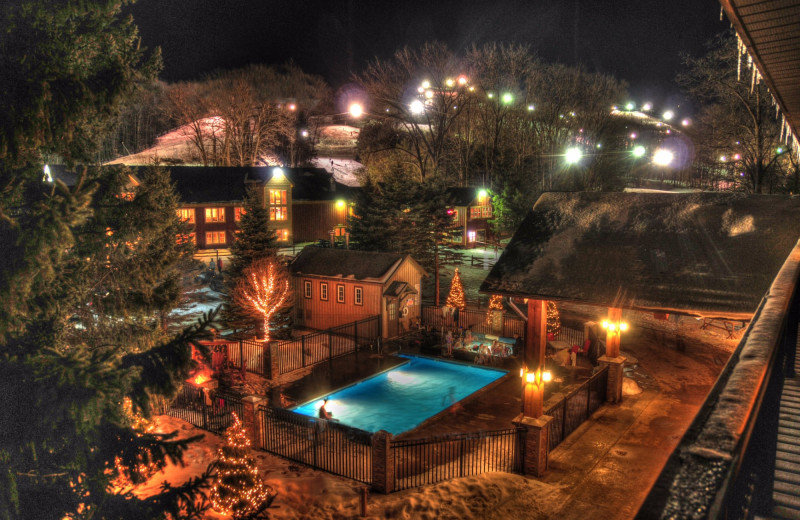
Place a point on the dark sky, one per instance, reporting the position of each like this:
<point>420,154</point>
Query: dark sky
<point>639,41</point>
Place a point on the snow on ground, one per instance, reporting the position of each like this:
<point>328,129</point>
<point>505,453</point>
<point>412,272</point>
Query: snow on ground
<point>194,303</point>
<point>305,493</point>
<point>343,170</point>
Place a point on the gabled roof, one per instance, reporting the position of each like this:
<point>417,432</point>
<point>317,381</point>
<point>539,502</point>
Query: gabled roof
<point>709,254</point>
<point>203,184</point>
<point>347,263</point>
<point>399,289</point>
<point>462,196</point>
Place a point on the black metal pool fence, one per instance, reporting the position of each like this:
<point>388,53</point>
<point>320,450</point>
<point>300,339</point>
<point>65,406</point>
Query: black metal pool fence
<point>576,406</point>
<point>206,408</point>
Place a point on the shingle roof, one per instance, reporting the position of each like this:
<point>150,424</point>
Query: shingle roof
<point>710,254</point>
<point>345,263</point>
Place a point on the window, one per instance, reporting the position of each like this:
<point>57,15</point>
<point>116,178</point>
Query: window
<point>277,197</point>
<point>307,289</point>
<point>359,296</point>
<point>215,237</point>
<point>392,310</point>
<point>277,205</point>
<point>189,237</point>
<point>277,212</point>
<point>470,236</point>
<point>339,293</point>
<point>237,214</point>
<point>186,215</point>
<point>215,214</point>
<point>480,212</point>
<point>323,291</point>
<point>282,234</point>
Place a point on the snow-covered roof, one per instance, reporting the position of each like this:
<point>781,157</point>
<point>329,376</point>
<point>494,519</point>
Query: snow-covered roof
<point>708,254</point>
<point>347,263</point>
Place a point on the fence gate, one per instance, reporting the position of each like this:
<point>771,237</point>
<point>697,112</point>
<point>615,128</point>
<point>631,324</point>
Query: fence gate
<point>320,444</point>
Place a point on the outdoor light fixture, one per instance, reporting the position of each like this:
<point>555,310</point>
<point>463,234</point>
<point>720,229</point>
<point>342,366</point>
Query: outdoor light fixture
<point>669,114</point>
<point>508,98</point>
<point>639,151</point>
<point>356,110</point>
<point>48,177</point>
<point>531,108</point>
<point>482,194</point>
<point>536,377</point>
<point>615,327</point>
<point>340,203</point>
<point>462,80</point>
<point>573,155</point>
<point>686,122</point>
<point>630,106</point>
<point>426,84</point>
<point>647,107</point>
<point>663,157</point>
<point>449,82</point>
<point>277,173</point>
<point>416,107</point>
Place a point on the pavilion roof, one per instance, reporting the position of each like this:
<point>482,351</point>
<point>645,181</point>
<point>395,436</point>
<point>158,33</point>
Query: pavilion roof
<point>706,254</point>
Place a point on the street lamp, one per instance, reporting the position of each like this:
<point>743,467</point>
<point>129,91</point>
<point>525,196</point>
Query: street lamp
<point>669,114</point>
<point>356,110</point>
<point>416,107</point>
<point>639,151</point>
<point>573,155</point>
<point>663,157</point>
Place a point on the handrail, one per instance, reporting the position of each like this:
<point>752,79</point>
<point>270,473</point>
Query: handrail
<point>711,454</point>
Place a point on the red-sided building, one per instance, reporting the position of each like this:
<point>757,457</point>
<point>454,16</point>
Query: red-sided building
<point>471,211</point>
<point>338,286</point>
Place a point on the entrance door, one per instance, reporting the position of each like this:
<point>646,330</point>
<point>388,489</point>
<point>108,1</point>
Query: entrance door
<point>391,310</point>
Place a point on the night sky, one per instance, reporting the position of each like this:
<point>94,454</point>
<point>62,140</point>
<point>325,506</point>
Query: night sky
<point>639,41</point>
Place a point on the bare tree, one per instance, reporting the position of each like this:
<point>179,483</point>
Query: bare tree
<point>264,290</point>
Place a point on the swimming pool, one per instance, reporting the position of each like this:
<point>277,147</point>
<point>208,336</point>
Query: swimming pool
<point>400,399</point>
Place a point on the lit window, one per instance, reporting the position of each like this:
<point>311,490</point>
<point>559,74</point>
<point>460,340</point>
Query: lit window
<point>277,213</point>
<point>215,214</point>
<point>277,197</point>
<point>392,310</point>
<point>189,237</point>
<point>307,289</point>
<point>215,237</point>
<point>323,291</point>
<point>359,294</point>
<point>282,234</point>
<point>186,215</point>
<point>471,236</point>
<point>340,293</point>
<point>237,213</point>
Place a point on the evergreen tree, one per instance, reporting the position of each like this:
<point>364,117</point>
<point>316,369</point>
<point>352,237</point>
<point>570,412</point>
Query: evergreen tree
<point>63,427</point>
<point>455,299</point>
<point>553,319</point>
<point>254,241</point>
<point>238,490</point>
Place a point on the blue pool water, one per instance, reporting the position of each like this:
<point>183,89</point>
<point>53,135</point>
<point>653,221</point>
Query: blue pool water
<point>400,399</point>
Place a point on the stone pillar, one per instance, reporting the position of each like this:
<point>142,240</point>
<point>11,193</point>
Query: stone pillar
<point>536,443</point>
<point>250,420</point>
<point>615,374</point>
<point>382,462</point>
<point>613,336</point>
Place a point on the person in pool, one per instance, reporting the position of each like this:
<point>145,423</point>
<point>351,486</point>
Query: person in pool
<point>323,412</point>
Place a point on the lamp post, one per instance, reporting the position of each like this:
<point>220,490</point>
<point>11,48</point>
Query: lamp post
<point>533,391</point>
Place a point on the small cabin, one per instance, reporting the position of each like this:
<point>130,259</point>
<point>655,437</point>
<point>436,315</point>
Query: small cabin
<point>338,286</point>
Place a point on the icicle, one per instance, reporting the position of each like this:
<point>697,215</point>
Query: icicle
<point>752,79</point>
<point>783,128</point>
<point>738,65</point>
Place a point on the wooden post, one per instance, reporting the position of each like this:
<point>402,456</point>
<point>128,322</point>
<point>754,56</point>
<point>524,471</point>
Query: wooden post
<point>382,462</point>
<point>613,336</point>
<point>535,347</point>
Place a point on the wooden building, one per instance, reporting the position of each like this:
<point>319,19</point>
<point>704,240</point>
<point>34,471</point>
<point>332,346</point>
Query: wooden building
<point>471,210</point>
<point>305,204</point>
<point>337,286</point>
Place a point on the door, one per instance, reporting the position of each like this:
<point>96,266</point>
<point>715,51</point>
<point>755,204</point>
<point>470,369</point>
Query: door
<point>391,311</point>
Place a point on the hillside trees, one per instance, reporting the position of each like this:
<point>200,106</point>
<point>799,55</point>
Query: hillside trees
<point>735,118</point>
<point>243,117</point>
<point>67,68</point>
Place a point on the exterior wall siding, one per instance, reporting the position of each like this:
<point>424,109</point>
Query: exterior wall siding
<point>314,220</point>
<point>316,313</point>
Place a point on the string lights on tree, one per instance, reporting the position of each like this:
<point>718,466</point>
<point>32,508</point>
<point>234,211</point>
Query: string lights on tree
<point>455,299</point>
<point>495,304</point>
<point>263,291</point>
<point>238,490</point>
<point>553,319</point>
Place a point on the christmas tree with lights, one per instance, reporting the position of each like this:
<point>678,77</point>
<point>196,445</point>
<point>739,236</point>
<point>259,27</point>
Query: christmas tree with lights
<point>455,299</point>
<point>553,319</point>
<point>495,304</point>
<point>238,490</point>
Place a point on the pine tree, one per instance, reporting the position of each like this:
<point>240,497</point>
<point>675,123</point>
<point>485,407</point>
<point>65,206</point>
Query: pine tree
<point>66,67</point>
<point>254,241</point>
<point>455,299</point>
<point>553,319</point>
<point>238,490</point>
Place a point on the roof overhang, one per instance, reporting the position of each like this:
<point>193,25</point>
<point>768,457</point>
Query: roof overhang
<point>770,29</point>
